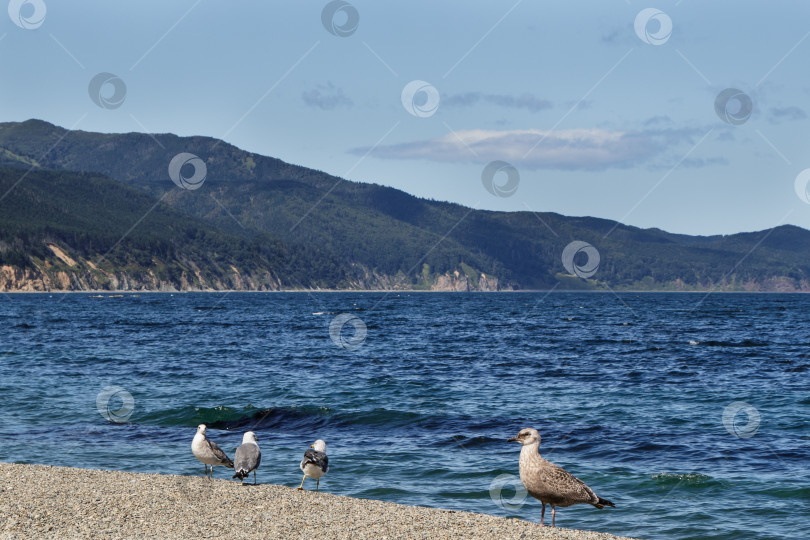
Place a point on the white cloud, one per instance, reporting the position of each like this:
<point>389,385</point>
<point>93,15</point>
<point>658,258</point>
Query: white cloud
<point>524,101</point>
<point>326,97</point>
<point>570,149</point>
<point>779,114</point>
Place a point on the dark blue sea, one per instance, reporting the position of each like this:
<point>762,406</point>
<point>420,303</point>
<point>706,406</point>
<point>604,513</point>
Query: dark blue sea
<point>691,412</point>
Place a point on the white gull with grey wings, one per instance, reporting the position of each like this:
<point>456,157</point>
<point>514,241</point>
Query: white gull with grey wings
<point>248,457</point>
<point>208,452</point>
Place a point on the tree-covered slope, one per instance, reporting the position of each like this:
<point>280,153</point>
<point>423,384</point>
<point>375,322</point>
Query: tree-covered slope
<point>358,234</point>
<point>83,230</point>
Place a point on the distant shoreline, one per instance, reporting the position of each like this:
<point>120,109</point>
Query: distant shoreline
<point>107,293</point>
<point>58,502</point>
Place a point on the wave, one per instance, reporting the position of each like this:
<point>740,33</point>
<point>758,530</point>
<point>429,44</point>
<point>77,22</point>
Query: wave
<point>690,479</point>
<point>607,341</point>
<point>455,429</point>
<point>793,492</point>
<point>227,418</point>
<point>468,442</point>
<point>291,418</point>
<point>721,343</point>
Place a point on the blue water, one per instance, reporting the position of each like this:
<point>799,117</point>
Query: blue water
<point>628,393</point>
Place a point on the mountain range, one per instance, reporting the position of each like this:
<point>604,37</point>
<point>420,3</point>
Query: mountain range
<point>97,211</point>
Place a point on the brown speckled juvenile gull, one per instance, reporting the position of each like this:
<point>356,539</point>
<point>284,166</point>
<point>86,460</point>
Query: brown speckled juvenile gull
<point>549,483</point>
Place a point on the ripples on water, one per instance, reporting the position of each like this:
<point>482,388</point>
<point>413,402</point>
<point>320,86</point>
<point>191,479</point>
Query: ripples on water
<point>628,392</point>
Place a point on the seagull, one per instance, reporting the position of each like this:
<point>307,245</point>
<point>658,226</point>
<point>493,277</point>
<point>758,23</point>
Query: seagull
<point>208,452</point>
<point>549,483</point>
<point>248,457</point>
<point>315,463</point>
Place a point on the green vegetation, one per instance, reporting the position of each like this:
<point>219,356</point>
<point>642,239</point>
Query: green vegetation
<point>297,227</point>
<point>114,229</point>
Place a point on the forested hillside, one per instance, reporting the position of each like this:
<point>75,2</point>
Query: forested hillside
<point>260,223</point>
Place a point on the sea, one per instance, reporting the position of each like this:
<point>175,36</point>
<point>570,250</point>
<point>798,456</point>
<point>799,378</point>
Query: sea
<point>690,411</point>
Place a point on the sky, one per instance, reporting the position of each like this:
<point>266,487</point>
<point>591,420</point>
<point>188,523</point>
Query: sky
<point>692,117</point>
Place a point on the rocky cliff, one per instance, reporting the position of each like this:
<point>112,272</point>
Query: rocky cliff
<point>65,271</point>
<point>459,282</point>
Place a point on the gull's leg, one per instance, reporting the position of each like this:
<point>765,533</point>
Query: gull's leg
<point>553,511</point>
<point>542,514</point>
<point>302,482</point>
<point>317,485</point>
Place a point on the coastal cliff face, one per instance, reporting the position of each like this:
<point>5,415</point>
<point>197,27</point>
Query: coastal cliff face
<point>458,282</point>
<point>66,272</point>
<point>455,281</point>
<point>14,279</point>
<point>63,271</point>
<point>777,284</point>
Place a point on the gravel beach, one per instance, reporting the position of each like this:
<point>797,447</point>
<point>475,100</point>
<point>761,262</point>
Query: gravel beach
<point>45,501</point>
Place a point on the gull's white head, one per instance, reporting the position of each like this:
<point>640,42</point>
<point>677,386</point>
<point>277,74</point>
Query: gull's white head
<point>319,446</point>
<point>526,436</point>
<point>201,429</point>
<point>249,436</point>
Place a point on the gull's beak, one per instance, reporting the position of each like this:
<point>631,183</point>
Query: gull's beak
<point>512,439</point>
<point>312,446</point>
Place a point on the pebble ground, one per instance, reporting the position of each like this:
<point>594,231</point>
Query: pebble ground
<point>59,502</point>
